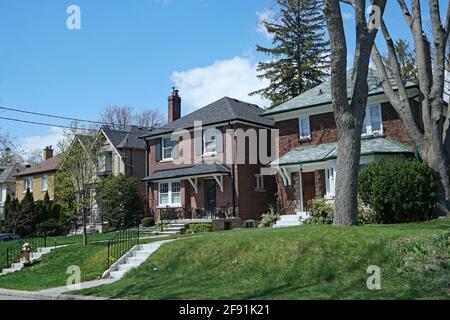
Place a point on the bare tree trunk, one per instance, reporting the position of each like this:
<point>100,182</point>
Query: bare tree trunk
<point>349,116</point>
<point>85,239</point>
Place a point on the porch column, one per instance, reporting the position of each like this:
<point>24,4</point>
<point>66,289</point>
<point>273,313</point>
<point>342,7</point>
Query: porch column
<point>300,179</point>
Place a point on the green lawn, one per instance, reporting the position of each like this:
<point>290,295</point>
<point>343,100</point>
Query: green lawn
<point>306,262</point>
<point>51,270</point>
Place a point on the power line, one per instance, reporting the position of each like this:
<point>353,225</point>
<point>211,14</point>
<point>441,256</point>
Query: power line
<point>54,116</point>
<point>46,124</point>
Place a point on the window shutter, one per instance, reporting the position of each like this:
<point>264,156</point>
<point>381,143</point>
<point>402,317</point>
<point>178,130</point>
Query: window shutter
<point>158,147</point>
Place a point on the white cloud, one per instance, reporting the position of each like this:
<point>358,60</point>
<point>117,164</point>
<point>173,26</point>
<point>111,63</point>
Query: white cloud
<point>266,15</point>
<point>235,78</point>
<point>39,142</point>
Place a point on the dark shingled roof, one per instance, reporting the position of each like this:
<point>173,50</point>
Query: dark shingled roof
<point>126,139</point>
<point>198,170</point>
<point>48,165</point>
<point>321,94</point>
<point>225,109</point>
<point>8,173</point>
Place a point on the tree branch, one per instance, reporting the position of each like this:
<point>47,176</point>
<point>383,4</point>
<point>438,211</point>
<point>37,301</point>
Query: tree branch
<point>409,19</point>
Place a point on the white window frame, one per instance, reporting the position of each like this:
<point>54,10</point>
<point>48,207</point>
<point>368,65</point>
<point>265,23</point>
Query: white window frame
<point>25,186</point>
<point>259,182</point>
<point>44,188</point>
<point>331,181</point>
<point>368,122</point>
<point>304,137</point>
<point>170,193</point>
<point>205,141</point>
<point>163,148</point>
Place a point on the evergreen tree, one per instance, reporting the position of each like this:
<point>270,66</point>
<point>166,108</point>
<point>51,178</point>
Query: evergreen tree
<point>299,58</point>
<point>406,59</point>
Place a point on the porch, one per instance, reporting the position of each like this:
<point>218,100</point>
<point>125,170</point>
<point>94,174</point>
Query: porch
<point>310,172</point>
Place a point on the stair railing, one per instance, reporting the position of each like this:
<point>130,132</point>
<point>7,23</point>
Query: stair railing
<point>14,252</point>
<point>123,241</point>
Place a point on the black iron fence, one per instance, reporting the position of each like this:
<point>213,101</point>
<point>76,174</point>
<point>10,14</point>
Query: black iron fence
<point>123,241</point>
<point>14,252</point>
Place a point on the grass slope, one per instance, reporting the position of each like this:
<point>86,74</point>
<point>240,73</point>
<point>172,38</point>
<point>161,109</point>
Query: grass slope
<point>307,262</point>
<point>51,270</point>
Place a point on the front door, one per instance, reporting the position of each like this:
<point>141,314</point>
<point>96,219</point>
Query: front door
<point>210,198</point>
<point>309,188</point>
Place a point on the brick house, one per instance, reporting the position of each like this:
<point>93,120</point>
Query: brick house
<point>210,184</point>
<point>306,167</point>
<point>39,179</point>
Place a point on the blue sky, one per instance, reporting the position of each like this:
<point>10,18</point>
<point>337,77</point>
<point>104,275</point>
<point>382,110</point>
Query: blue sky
<point>130,53</point>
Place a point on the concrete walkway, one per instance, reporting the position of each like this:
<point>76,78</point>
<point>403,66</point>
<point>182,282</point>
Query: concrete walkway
<point>7,294</point>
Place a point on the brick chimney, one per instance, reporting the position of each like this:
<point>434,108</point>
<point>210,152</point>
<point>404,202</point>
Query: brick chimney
<point>174,110</point>
<point>48,153</point>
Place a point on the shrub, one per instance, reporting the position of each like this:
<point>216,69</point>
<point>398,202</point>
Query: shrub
<point>269,219</point>
<point>148,222</point>
<point>199,227</point>
<point>320,211</point>
<point>50,227</point>
<point>399,191</point>
<point>366,215</point>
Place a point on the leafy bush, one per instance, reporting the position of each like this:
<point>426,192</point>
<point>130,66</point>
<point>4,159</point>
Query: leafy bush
<point>50,227</point>
<point>366,215</point>
<point>399,191</point>
<point>199,227</point>
<point>320,211</point>
<point>148,222</point>
<point>269,219</point>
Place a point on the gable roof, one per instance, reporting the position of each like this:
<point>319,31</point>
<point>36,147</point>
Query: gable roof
<point>126,139</point>
<point>328,151</point>
<point>222,110</point>
<point>9,172</point>
<point>48,165</point>
<point>321,94</point>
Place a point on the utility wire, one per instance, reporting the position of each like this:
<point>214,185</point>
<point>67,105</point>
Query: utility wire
<point>53,116</point>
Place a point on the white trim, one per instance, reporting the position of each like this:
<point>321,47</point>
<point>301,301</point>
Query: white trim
<point>194,184</point>
<point>169,159</point>
<point>169,194</point>
<point>287,175</point>
<point>300,179</point>
<point>368,120</point>
<point>219,180</point>
<point>42,180</point>
<point>300,128</point>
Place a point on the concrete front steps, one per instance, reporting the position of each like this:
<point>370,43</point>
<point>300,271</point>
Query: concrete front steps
<point>291,220</point>
<point>33,256</point>
<point>132,259</point>
<point>171,229</point>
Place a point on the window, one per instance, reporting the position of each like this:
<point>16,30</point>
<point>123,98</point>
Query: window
<point>27,183</point>
<point>44,183</point>
<point>372,123</point>
<point>169,194</point>
<point>305,132</point>
<point>331,181</point>
<point>259,182</point>
<point>105,162</point>
<point>167,148</point>
<point>210,146</point>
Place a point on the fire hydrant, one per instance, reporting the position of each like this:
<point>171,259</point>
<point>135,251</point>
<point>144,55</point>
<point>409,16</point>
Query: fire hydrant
<point>26,251</point>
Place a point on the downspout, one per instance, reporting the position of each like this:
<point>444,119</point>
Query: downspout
<point>233,168</point>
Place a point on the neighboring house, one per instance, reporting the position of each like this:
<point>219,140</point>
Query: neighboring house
<point>308,141</point>
<point>7,185</point>
<point>39,179</point>
<point>208,188</point>
<point>122,152</point>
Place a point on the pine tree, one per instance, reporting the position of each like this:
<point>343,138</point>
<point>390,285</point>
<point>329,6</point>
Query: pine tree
<point>299,58</point>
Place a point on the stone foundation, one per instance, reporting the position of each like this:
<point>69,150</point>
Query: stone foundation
<point>226,224</point>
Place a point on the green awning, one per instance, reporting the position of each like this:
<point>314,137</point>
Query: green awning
<point>328,151</point>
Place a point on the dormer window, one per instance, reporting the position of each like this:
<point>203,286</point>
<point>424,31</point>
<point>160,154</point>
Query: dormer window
<point>167,147</point>
<point>304,128</point>
<point>373,124</point>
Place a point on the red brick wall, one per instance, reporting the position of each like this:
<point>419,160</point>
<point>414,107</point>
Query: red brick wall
<point>323,129</point>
